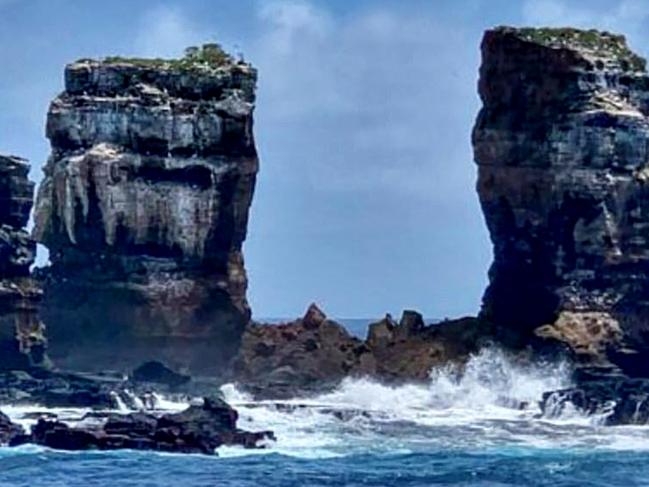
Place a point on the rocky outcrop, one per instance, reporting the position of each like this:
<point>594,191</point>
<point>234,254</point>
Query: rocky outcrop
<point>22,340</point>
<point>307,355</point>
<point>562,150</point>
<point>157,373</point>
<point>198,429</point>
<point>10,433</point>
<point>144,208</point>
<point>617,401</point>
<point>410,350</point>
<point>315,353</point>
<point>54,389</point>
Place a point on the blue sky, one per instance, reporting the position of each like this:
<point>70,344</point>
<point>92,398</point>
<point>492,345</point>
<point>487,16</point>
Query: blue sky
<point>365,201</point>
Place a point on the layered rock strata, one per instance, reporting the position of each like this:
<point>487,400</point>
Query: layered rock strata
<point>22,340</point>
<point>562,147</point>
<point>144,209</point>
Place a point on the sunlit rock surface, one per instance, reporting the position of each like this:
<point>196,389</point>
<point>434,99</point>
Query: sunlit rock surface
<point>314,353</point>
<point>144,208</point>
<point>562,150</point>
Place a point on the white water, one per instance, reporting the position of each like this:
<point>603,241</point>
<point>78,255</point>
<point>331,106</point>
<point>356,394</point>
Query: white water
<point>494,404</point>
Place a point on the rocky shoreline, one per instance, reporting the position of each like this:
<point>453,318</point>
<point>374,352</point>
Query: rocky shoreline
<point>199,429</point>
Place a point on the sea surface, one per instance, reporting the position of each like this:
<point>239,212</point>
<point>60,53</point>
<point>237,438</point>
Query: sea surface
<point>482,429</point>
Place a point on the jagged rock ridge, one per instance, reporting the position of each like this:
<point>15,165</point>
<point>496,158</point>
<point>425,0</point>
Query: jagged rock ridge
<point>314,353</point>
<point>562,150</point>
<point>22,340</point>
<point>144,209</point>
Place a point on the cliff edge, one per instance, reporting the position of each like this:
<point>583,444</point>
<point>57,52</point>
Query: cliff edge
<point>144,209</point>
<point>22,339</point>
<point>561,145</point>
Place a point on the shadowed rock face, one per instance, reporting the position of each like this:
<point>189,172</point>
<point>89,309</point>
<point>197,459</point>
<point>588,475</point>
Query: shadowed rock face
<point>144,209</point>
<point>22,341</point>
<point>562,150</point>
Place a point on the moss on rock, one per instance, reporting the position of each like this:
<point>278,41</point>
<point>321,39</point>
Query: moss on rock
<point>597,43</point>
<point>205,57</point>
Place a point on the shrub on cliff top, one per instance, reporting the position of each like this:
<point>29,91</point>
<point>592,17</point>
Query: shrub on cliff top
<point>209,55</point>
<point>599,43</point>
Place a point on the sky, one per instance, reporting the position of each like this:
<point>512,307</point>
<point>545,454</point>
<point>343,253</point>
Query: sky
<point>365,201</point>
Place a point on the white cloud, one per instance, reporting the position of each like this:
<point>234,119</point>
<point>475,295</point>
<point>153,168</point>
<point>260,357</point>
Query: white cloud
<point>292,20</point>
<point>374,101</point>
<point>166,32</point>
<point>629,17</point>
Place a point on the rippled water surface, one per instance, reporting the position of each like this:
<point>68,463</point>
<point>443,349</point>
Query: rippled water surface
<point>484,429</point>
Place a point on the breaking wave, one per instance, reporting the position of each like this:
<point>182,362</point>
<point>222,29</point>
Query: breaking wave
<point>492,404</point>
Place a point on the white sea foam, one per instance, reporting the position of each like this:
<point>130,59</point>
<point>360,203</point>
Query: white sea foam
<point>494,403</point>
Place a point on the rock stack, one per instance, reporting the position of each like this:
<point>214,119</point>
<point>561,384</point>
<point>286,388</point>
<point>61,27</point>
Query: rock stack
<point>144,208</point>
<point>22,341</point>
<point>562,147</point>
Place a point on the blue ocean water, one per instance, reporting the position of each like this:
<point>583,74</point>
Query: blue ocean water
<point>503,466</point>
<point>484,428</point>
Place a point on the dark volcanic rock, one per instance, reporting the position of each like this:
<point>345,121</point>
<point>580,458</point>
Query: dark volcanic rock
<point>10,433</point>
<point>199,429</point>
<point>410,350</point>
<point>621,401</point>
<point>563,179</point>
<point>314,353</point>
<point>158,373</point>
<point>57,389</point>
<point>22,340</point>
<point>144,209</point>
<point>308,354</point>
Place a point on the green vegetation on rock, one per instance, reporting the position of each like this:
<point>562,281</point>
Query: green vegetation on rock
<point>207,56</point>
<point>598,43</point>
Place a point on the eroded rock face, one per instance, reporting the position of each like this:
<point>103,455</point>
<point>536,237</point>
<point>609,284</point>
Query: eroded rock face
<point>314,353</point>
<point>306,355</point>
<point>144,209</point>
<point>22,340</point>
<point>563,179</point>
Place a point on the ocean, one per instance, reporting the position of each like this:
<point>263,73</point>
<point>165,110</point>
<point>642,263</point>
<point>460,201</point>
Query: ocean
<point>482,429</point>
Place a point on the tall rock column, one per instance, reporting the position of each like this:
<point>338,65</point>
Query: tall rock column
<point>22,340</point>
<point>562,147</point>
<point>144,209</point>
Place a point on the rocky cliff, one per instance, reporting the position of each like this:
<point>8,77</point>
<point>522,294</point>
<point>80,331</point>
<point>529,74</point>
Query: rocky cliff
<point>562,147</point>
<point>22,341</point>
<point>144,208</point>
